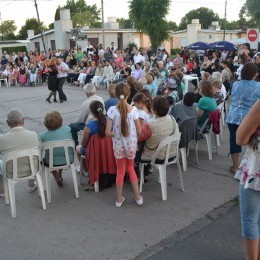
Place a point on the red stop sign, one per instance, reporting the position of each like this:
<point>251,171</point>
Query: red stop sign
<point>252,35</point>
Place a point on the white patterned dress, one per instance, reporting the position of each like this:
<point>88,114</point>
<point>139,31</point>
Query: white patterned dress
<point>249,169</point>
<point>124,147</point>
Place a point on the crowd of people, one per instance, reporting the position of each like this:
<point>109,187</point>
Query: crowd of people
<point>146,90</point>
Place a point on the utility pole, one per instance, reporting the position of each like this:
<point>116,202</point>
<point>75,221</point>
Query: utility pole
<point>36,6</point>
<point>103,29</point>
<point>1,25</point>
<point>225,20</point>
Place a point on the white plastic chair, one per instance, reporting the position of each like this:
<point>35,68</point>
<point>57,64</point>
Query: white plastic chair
<point>66,144</point>
<point>222,118</point>
<point>208,136</point>
<point>167,142</point>
<point>32,154</point>
<point>189,134</point>
<point>5,81</point>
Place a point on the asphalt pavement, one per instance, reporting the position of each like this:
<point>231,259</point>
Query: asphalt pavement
<point>91,227</point>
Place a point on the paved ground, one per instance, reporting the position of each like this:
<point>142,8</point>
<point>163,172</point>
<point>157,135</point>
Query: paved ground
<point>218,239</point>
<point>91,227</point>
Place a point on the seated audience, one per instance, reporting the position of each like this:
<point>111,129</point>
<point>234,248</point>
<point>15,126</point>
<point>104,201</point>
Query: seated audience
<point>96,126</point>
<point>17,138</point>
<point>186,110</point>
<point>207,102</point>
<point>84,115</point>
<point>162,125</point>
<point>56,132</point>
<point>112,100</point>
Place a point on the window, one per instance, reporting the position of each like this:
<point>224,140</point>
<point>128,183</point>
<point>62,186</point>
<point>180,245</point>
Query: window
<point>53,45</point>
<point>37,46</point>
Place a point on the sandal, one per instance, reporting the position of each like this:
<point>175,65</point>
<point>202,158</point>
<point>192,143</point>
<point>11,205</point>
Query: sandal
<point>89,188</point>
<point>232,171</point>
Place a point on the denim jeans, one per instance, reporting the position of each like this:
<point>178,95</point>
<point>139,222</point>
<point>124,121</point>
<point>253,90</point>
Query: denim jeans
<point>75,127</point>
<point>250,212</point>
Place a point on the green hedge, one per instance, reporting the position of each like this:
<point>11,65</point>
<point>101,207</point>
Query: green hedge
<point>14,49</point>
<point>175,51</point>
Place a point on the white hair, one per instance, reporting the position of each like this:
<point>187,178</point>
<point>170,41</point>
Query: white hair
<point>89,88</point>
<point>217,75</point>
<point>15,117</point>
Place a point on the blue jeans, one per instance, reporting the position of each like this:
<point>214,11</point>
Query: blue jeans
<point>75,127</point>
<point>250,212</point>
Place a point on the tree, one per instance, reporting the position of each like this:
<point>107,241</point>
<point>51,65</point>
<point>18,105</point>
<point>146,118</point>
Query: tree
<point>30,24</point>
<point>149,17</point>
<point>253,9</point>
<point>172,26</point>
<point>125,23</point>
<point>81,13</point>
<point>205,15</point>
<point>7,29</point>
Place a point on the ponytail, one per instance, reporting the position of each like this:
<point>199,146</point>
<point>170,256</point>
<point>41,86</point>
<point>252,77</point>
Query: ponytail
<point>122,92</point>
<point>97,109</point>
<point>122,107</point>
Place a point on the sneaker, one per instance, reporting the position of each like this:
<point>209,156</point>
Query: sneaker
<point>32,189</point>
<point>140,201</point>
<point>2,195</point>
<point>119,204</point>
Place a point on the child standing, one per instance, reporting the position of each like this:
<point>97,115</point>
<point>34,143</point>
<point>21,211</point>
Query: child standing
<point>124,126</point>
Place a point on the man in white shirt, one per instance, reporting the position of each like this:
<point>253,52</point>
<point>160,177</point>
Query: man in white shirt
<point>138,57</point>
<point>63,70</point>
<point>84,114</point>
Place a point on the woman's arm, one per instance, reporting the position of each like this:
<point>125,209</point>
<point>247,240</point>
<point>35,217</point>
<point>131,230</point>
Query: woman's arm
<point>109,131</point>
<point>249,125</point>
<point>85,136</point>
<point>200,113</point>
<point>138,127</point>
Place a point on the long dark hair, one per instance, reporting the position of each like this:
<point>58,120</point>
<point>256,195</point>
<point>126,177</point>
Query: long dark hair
<point>97,109</point>
<point>140,97</point>
<point>122,92</point>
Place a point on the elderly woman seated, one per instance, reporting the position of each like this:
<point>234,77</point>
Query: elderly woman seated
<point>207,102</point>
<point>56,132</point>
<point>162,125</point>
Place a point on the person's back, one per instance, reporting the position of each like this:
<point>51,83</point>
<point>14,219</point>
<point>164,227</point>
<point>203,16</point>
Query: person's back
<point>18,138</point>
<point>62,133</point>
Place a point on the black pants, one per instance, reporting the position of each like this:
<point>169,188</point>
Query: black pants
<point>62,96</point>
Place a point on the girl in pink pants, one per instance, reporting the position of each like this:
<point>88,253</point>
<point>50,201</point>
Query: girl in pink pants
<point>124,126</point>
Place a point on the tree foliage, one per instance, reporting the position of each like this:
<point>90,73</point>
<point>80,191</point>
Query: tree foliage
<point>31,24</point>
<point>205,15</point>
<point>81,13</point>
<point>125,23</point>
<point>172,26</point>
<point>7,29</point>
<point>253,8</point>
<point>149,17</point>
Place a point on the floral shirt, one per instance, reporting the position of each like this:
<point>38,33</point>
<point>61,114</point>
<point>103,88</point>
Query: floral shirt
<point>124,147</point>
<point>249,170</point>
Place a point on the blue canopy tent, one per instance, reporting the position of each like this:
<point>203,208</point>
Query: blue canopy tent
<point>223,45</point>
<point>198,46</point>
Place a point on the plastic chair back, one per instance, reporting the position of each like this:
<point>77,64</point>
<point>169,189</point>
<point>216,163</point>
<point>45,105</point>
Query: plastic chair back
<point>30,153</point>
<point>33,155</point>
<point>167,142</point>
<point>66,144</point>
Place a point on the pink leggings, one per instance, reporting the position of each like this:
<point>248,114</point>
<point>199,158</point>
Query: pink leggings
<point>125,165</point>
